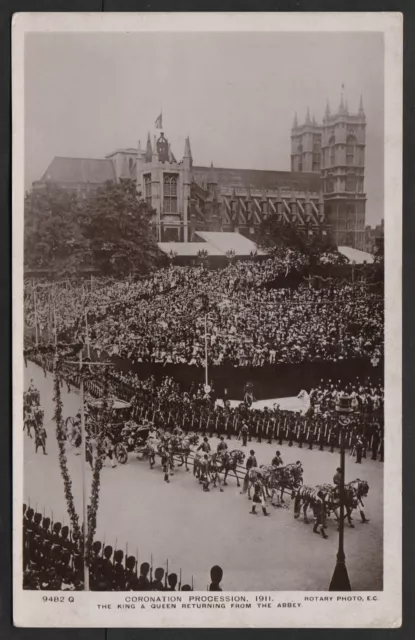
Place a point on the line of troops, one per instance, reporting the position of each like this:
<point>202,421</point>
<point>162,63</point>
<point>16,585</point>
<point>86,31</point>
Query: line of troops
<point>52,561</point>
<point>363,433</point>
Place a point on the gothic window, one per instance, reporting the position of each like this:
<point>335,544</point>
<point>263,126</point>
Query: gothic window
<point>350,149</point>
<point>147,189</point>
<point>330,186</point>
<point>130,164</point>
<point>170,193</point>
<point>300,148</point>
<point>300,166</point>
<point>332,151</point>
<point>316,153</point>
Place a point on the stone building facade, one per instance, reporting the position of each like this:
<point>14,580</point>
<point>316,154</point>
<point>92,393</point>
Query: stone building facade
<point>323,192</point>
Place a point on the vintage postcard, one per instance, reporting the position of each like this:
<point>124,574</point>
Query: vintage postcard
<point>207,320</point>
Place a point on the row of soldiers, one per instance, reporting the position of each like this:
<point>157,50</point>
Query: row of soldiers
<point>272,425</point>
<point>52,561</point>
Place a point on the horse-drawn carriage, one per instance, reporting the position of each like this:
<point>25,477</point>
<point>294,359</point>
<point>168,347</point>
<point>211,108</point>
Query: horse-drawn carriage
<point>114,431</point>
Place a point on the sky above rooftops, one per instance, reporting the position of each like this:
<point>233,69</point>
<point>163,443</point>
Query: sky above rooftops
<point>234,94</point>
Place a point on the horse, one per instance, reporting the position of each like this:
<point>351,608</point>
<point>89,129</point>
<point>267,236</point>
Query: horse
<point>313,497</point>
<point>229,462</point>
<point>287,478</point>
<point>353,493</point>
<point>182,447</point>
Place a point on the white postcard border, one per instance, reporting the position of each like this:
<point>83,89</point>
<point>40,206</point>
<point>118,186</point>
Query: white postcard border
<point>384,608</point>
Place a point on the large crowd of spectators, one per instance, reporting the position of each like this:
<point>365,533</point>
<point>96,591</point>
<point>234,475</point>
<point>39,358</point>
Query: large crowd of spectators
<point>161,319</point>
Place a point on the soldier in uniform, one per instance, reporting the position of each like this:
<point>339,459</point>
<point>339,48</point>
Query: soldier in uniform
<point>244,434</point>
<point>143,583</point>
<point>157,583</point>
<point>172,580</point>
<point>359,449</point>
<point>301,433</point>
<point>332,440</point>
<point>205,446</point>
<point>251,462</point>
<point>321,437</point>
<point>222,446</point>
<point>40,439</point>
<point>258,498</point>
<point>319,516</point>
<point>216,575</point>
<point>337,477</point>
<point>106,567</point>
<point>131,580</point>
<point>277,460</point>
<point>204,472</point>
<point>118,576</point>
<point>165,462</point>
<point>311,438</point>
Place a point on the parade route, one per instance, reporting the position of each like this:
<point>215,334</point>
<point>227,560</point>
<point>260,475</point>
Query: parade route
<point>196,530</point>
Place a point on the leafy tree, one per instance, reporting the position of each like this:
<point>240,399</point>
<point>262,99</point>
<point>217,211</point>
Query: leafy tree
<point>116,226</point>
<point>52,237</point>
<point>109,231</point>
<point>272,233</point>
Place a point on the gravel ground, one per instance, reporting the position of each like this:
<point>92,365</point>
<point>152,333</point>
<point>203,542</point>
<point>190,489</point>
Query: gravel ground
<point>196,530</point>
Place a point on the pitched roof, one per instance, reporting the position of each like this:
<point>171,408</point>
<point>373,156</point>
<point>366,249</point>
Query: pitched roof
<point>229,241</point>
<point>259,179</point>
<point>92,170</point>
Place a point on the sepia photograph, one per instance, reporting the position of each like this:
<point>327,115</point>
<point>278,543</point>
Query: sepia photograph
<point>200,299</point>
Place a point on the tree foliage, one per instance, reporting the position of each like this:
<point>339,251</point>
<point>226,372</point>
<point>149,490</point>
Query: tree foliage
<point>272,233</point>
<point>109,231</point>
<point>52,237</point>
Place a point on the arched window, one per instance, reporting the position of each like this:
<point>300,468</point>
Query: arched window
<point>170,193</point>
<point>316,152</point>
<point>147,188</point>
<point>130,164</point>
<point>350,149</point>
<point>332,151</point>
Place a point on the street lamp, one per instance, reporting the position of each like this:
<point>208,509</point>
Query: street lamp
<point>340,580</point>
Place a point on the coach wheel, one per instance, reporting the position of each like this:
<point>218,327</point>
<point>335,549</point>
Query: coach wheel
<point>121,453</point>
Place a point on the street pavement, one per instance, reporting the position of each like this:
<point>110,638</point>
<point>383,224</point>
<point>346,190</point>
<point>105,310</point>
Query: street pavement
<point>195,530</point>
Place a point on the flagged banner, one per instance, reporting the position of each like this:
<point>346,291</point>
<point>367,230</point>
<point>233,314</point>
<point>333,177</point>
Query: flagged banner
<point>159,122</point>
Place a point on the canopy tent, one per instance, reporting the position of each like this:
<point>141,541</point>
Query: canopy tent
<point>357,256</point>
<point>214,243</point>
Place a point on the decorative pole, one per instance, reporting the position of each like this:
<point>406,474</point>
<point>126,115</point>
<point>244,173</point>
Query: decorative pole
<point>87,334</point>
<point>340,580</point>
<point>83,462</point>
<point>35,309</point>
<point>206,353</point>
<point>55,327</point>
